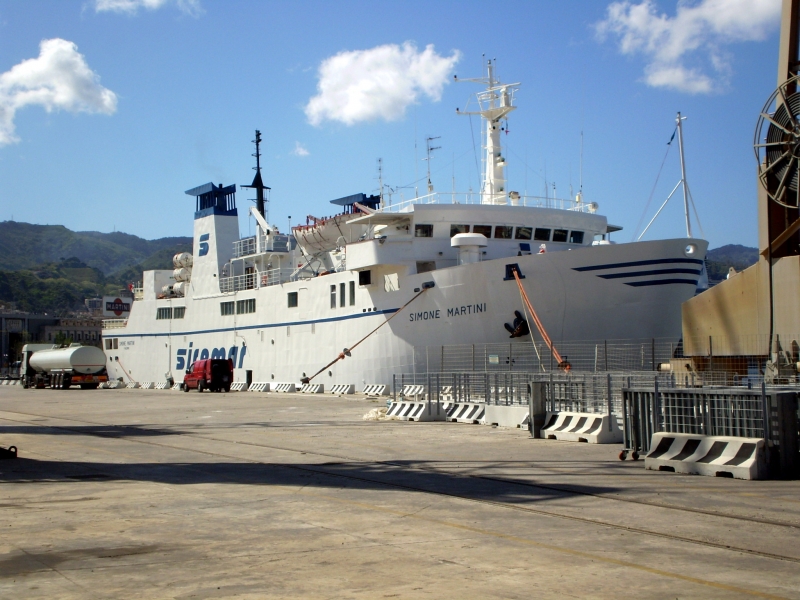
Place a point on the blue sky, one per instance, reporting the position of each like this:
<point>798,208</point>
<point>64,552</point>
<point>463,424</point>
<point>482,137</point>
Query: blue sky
<point>124,104</point>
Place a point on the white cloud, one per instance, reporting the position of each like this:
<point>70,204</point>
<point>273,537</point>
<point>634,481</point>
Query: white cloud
<point>131,7</point>
<point>379,83</point>
<point>300,150</point>
<point>695,34</point>
<point>59,79</point>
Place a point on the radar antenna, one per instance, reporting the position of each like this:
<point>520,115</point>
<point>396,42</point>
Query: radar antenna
<point>430,149</point>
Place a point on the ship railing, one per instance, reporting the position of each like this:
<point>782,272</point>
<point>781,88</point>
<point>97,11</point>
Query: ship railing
<point>115,323</point>
<point>478,197</point>
<point>253,281</point>
<point>276,242</point>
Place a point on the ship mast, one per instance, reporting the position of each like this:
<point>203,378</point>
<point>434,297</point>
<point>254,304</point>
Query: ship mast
<point>258,184</point>
<point>495,103</point>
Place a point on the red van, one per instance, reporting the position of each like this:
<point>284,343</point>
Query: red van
<point>213,374</point>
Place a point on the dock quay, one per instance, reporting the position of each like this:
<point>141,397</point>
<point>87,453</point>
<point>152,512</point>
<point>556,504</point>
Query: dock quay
<point>149,493</point>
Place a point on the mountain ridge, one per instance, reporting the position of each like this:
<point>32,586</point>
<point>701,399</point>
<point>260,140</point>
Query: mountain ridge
<point>27,246</point>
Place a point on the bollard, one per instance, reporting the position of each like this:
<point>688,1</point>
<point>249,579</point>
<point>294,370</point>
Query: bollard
<point>536,407</point>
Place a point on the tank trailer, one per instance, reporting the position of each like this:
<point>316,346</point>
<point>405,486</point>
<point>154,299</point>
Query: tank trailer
<point>45,365</point>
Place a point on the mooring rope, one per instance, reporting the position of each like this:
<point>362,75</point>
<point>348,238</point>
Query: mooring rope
<point>562,364</point>
<point>348,351</point>
<point>119,362</point>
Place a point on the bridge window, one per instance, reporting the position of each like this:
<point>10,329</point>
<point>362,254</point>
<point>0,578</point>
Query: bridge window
<point>352,293</point>
<point>456,229</point>
<point>502,232</point>
<point>541,234</point>
<point>333,296</point>
<point>423,230</point>
<point>164,313</point>
<point>483,229</point>
<point>245,306</point>
<point>292,299</point>
<point>179,312</point>
<point>560,235</point>
<point>226,308</point>
<point>342,297</point>
<point>365,277</point>
<point>523,233</point>
<point>575,237</point>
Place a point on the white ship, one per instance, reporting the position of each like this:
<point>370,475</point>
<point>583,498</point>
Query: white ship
<point>372,283</point>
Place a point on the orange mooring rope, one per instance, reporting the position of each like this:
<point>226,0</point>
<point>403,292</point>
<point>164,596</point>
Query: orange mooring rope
<point>561,362</point>
<point>124,371</point>
<point>347,351</point>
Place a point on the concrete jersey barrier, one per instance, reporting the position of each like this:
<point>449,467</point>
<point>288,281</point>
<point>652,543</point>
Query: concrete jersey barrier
<point>720,456</point>
<point>581,427</point>
<point>416,411</point>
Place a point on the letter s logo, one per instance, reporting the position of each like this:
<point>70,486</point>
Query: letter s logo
<point>203,245</point>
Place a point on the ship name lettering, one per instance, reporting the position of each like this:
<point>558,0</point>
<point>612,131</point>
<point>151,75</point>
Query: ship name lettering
<point>469,309</point>
<point>425,315</point>
<point>185,357</point>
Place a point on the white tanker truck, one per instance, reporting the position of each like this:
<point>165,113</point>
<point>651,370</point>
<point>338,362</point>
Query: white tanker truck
<point>45,365</point>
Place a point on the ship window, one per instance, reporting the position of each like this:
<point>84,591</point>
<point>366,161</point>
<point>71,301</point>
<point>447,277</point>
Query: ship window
<point>423,230</point>
<point>342,298</point>
<point>541,234</point>
<point>226,308</point>
<point>164,313</point>
<point>333,296</point>
<point>108,344</point>
<point>391,282</point>
<point>292,299</point>
<point>483,229</point>
<point>456,229</point>
<point>116,344</point>
<point>575,237</point>
<point>245,306</point>
<point>502,232</point>
<point>423,266</point>
<point>365,277</point>
<point>352,293</point>
<point>179,312</point>
<point>559,235</point>
<point>523,233</point>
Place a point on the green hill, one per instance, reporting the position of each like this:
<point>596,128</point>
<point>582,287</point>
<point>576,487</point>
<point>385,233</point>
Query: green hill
<point>26,246</point>
<point>48,268</point>
<point>719,260</point>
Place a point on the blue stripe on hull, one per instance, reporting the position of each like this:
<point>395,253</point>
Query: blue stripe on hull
<point>661,282</point>
<point>640,263</point>
<point>653,272</point>
<point>388,311</point>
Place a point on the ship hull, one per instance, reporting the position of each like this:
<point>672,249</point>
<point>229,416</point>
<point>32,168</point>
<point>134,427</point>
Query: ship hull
<point>594,293</point>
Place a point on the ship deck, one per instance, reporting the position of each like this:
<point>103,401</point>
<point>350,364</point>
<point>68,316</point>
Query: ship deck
<point>149,493</point>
